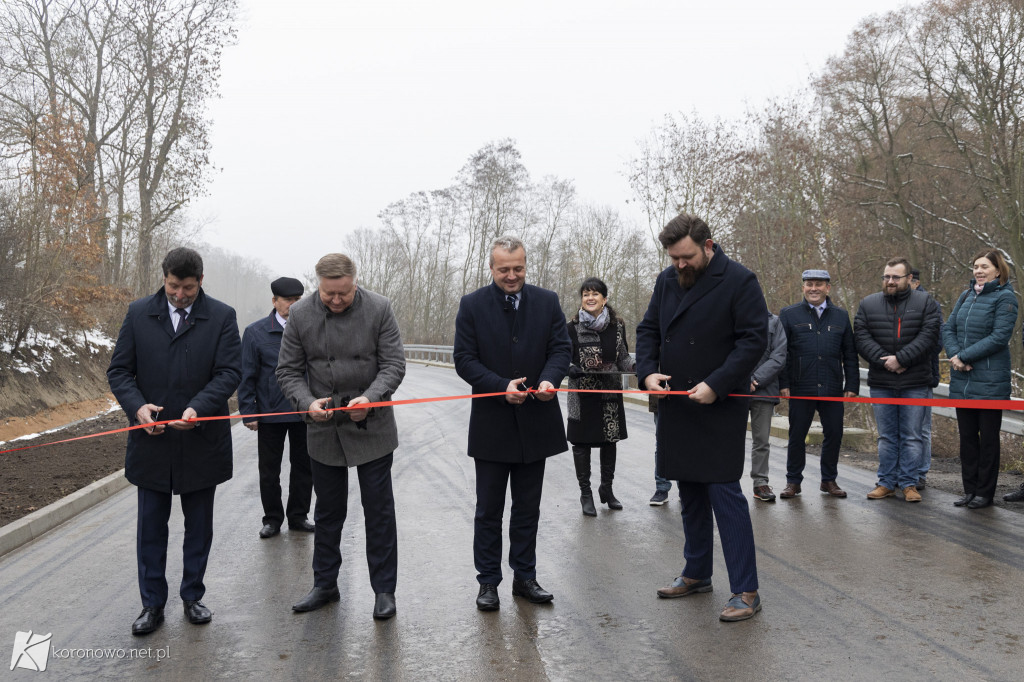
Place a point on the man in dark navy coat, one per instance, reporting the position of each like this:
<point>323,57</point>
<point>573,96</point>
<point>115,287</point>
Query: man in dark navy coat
<point>821,361</point>
<point>704,332</point>
<point>511,336</point>
<point>259,393</point>
<point>178,356</point>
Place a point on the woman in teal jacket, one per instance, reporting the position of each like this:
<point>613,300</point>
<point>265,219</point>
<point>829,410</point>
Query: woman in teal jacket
<point>976,337</point>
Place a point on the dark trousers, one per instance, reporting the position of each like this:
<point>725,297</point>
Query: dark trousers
<point>270,446</point>
<point>526,482</point>
<point>728,505</point>
<point>801,414</point>
<point>331,485</point>
<point>979,449</point>
<point>151,543</point>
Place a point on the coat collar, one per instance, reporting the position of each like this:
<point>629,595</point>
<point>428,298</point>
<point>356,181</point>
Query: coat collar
<point>272,325</point>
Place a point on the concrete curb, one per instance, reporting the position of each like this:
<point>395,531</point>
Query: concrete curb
<point>28,528</point>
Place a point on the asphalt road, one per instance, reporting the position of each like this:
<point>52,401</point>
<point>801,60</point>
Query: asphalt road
<point>852,589</point>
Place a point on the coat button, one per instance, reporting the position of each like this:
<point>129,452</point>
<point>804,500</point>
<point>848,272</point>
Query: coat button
<point>692,341</point>
<point>515,339</point>
<point>330,359</point>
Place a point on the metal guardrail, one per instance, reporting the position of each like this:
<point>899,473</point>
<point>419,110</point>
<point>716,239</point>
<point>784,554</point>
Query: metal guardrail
<point>1012,422</point>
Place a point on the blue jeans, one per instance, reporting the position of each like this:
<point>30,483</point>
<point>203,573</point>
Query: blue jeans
<point>660,483</point>
<point>900,437</point>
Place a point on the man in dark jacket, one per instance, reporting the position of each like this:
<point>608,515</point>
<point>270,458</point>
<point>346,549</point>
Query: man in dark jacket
<point>822,361</point>
<point>896,331</point>
<point>764,387</point>
<point>704,331</point>
<point>177,357</point>
<point>511,336</point>
<point>259,393</point>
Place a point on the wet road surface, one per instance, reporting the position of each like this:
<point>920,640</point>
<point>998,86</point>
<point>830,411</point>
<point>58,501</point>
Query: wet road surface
<point>852,589</point>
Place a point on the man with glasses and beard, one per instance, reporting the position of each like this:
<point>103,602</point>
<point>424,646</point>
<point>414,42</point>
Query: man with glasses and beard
<point>896,330</point>
<point>704,332</point>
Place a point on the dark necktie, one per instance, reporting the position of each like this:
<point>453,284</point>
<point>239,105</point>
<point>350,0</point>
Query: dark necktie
<point>182,317</point>
<point>511,301</point>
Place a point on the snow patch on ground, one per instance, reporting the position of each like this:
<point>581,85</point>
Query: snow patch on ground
<point>37,353</point>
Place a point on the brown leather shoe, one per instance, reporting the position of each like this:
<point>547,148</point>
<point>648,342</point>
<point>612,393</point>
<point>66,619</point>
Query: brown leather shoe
<point>741,607</point>
<point>879,492</point>
<point>910,494</point>
<point>832,488</point>
<point>681,588</point>
<point>791,490</point>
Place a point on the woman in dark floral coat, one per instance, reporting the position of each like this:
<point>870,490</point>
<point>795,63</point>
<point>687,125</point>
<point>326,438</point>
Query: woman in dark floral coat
<point>599,357</point>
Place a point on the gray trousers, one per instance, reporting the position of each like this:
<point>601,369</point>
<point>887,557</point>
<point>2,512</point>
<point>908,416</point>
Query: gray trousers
<point>760,428</point>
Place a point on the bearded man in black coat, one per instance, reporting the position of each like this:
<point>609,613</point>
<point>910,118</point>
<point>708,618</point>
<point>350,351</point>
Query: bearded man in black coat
<point>704,332</point>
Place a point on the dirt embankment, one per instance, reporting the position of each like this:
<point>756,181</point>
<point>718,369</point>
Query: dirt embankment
<point>65,379</point>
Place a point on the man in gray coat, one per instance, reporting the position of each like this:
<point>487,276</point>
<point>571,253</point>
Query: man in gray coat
<point>346,341</point>
<point>764,387</point>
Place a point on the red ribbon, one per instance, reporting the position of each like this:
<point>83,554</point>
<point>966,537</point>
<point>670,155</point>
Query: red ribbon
<point>928,402</point>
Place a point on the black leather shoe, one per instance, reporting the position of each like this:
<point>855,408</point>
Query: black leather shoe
<point>303,526</point>
<point>488,600</point>
<point>384,606</point>
<point>531,591</point>
<point>196,612</point>
<point>964,501</point>
<point>979,502</point>
<point>148,621</point>
<point>1016,496</point>
<point>269,530</point>
<point>317,597</point>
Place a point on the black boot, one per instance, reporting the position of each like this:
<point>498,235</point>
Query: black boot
<point>581,458</point>
<point>607,475</point>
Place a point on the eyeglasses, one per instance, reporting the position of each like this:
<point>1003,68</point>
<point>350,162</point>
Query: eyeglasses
<point>892,278</point>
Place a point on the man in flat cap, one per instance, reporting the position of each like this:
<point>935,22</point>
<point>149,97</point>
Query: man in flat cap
<point>821,361</point>
<point>259,394</point>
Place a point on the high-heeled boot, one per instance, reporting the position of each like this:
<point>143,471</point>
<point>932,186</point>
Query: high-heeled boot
<point>581,458</point>
<point>604,491</point>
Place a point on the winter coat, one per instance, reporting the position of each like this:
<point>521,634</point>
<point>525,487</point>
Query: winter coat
<point>906,325</point>
<point>496,343</point>
<point>822,358</point>
<point>197,367</point>
<point>771,364</point>
<point>596,418</point>
<point>259,392</point>
<point>715,332</point>
<point>978,331</point>
<point>357,352</point>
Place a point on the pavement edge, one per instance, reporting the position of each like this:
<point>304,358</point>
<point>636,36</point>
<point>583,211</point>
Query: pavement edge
<point>28,528</point>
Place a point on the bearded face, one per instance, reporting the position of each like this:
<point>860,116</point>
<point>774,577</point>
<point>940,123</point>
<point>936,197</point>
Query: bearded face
<point>688,274</point>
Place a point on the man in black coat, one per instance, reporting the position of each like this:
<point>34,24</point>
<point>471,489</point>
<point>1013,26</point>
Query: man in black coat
<point>511,336</point>
<point>177,357</point>
<point>259,393</point>
<point>822,361</point>
<point>704,332</point>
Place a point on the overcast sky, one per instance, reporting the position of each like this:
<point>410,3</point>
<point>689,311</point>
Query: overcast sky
<point>331,110</point>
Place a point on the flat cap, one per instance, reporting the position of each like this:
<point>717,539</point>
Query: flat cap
<point>287,287</point>
<point>816,274</point>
